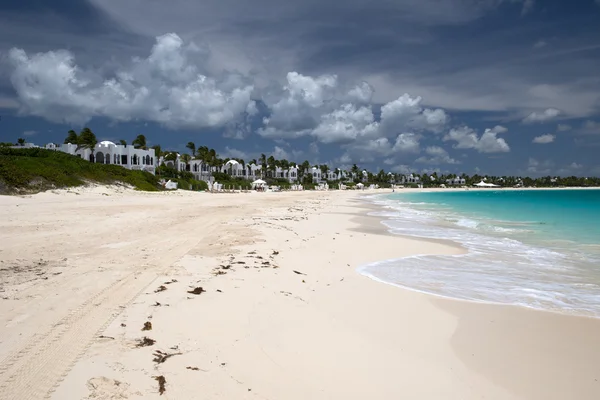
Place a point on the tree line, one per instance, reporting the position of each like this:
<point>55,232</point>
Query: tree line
<point>87,139</point>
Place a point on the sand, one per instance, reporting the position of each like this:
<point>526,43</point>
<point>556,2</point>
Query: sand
<point>281,313</point>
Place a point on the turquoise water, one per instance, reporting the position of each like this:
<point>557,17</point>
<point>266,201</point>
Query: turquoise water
<point>534,248</point>
<point>572,215</point>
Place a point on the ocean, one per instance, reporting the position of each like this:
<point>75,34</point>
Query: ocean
<point>532,248</point>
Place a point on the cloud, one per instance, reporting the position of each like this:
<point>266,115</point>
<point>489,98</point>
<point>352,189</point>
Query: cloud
<point>8,103</point>
<point>563,127</point>
<point>590,127</point>
<point>370,150</point>
<point>437,155</point>
<point>345,159</point>
<point>544,116</point>
<point>406,111</point>
<point>539,167</point>
<point>401,169</point>
<point>544,139</point>
<point>167,87</point>
<point>489,142</point>
<point>280,154</point>
<point>241,127</point>
<point>527,7</point>
<point>235,153</point>
<point>539,44</point>
<point>345,124</point>
<point>29,133</point>
<point>323,107</point>
<point>407,143</point>
<point>570,169</point>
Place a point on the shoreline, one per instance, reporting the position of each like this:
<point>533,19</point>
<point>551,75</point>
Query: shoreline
<point>304,325</point>
<point>461,250</point>
<point>379,207</point>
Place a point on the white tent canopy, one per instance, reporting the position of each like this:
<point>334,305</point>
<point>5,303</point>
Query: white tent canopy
<point>259,182</point>
<point>483,184</point>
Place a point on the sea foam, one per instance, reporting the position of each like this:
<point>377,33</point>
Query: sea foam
<point>498,267</point>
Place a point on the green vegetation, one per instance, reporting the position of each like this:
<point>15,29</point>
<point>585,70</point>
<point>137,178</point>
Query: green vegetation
<point>34,170</point>
<point>185,180</point>
<point>231,182</point>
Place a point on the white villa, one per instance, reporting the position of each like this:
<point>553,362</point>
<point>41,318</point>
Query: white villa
<point>107,152</point>
<point>410,179</point>
<point>456,181</point>
<point>251,172</point>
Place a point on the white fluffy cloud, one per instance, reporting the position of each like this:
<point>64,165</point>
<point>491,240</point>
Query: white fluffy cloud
<point>407,143</point>
<point>544,139</point>
<point>403,144</point>
<point>540,117</point>
<point>489,142</point>
<point>321,107</point>
<point>280,154</point>
<point>406,111</point>
<point>167,87</point>
<point>346,123</point>
<point>298,109</point>
<point>436,156</point>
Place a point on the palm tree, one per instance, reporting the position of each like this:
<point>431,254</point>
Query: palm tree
<point>354,169</point>
<point>185,158</point>
<point>87,139</point>
<point>157,154</point>
<point>304,168</point>
<point>271,166</point>
<point>202,153</point>
<point>170,156</point>
<point>123,142</point>
<point>285,164</point>
<point>139,142</point>
<point>71,137</point>
<point>263,162</point>
<point>192,147</point>
<point>21,142</point>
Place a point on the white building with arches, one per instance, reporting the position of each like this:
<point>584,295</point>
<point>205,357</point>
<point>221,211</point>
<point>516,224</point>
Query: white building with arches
<point>107,152</point>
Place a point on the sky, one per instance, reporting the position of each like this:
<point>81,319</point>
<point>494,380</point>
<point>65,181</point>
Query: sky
<point>497,87</point>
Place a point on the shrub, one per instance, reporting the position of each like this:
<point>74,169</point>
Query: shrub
<point>39,169</point>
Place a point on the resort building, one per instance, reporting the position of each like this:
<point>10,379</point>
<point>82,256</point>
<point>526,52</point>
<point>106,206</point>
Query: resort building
<point>202,171</point>
<point>107,152</point>
<point>409,179</point>
<point>456,181</point>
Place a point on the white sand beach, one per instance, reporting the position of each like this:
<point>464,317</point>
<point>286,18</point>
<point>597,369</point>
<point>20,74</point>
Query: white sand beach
<point>281,313</point>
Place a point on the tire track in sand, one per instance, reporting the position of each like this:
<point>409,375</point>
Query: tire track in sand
<point>33,372</point>
<point>36,369</point>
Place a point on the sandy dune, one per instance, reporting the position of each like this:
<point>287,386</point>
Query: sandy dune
<point>281,313</point>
